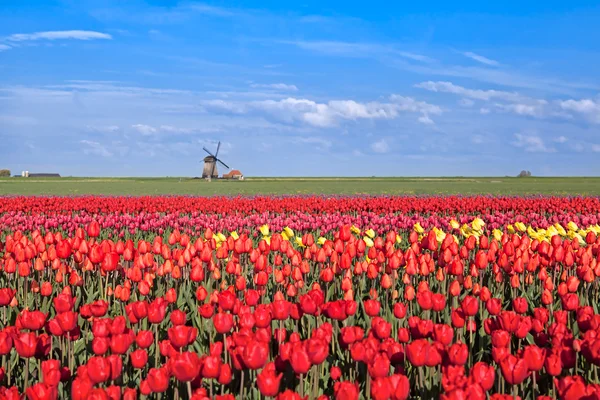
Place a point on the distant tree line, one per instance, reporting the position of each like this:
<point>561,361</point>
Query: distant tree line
<point>524,174</point>
<point>4,172</point>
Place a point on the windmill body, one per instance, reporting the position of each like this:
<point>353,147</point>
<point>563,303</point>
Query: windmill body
<point>210,170</point>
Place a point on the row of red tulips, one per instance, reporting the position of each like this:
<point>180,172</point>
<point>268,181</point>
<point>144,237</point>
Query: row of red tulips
<point>130,216</point>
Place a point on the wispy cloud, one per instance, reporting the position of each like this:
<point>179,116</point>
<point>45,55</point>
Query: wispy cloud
<point>212,10</point>
<point>381,146</point>
<point>91,147</point>
<point>480,58</point>
<point>318,142</point>
<point>276,86</point>
<point>531,144</point>
<point>4,47</point>
<point>517,103</point>
<point>358,50</point>
<point>57,35</point>
<point>560,139</point>
<point>144,129</point>
<point>478,94</point>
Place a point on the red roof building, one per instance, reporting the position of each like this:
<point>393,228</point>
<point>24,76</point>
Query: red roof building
<point>233,174</point>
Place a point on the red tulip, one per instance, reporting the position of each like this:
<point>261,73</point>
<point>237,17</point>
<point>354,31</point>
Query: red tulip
<point>41,391</point>
<point>26,344</point>
<point>158,380</point>
<point>470,306</point>
<point>458,354</point>
<point>223,322</point>
<point>268,380</point>
<point>157,311</point>
<point>185,366</point>
<point>181,335</point>
<point>371,307</point>
<point>514,369</point>
<point>32,320</point>
<point>139,358</point>
<point>300,360</point>
<point>255,354</point>
<point>98,369</point>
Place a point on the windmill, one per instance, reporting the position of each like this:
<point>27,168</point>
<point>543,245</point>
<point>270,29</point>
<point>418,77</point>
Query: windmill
<point>210,164</point>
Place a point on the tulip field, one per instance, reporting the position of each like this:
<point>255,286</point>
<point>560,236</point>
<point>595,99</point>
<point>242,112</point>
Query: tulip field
<point>307,297</point>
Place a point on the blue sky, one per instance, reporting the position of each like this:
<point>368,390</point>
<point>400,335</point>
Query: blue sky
<point>311,88</point>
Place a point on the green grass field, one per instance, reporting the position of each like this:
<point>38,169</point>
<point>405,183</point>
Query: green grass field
<point>253,186</point>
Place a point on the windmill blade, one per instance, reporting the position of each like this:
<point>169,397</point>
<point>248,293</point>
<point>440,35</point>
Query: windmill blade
<point>225,165</point>
<point>218,146</point>
<point>206,150</point>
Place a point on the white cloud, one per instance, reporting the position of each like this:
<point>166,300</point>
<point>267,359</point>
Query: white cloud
<point>4,47</point>
<point>478,94</point>
<point>587,107</point>
<point>145,129</point>
<point>531,144</point>
<point>484,111</point>
<point>95,148</point>
<point>330,113</point>
<point>380,146</point>
<point>560,139</point>
<point>424,119</point>
<point>531,110</point>
<point>58,35</point>
<point>596,148</point>
<point>276,86</point>
<point>480,58</point>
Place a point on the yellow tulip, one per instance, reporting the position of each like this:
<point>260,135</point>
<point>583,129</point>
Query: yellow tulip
<point>580,239</point>
<point>221,237</point>
<point>440,235</point>
<point>477,224</point>
<point>531,232</point>
<point>455,238</point>
<point>284,236</point>
<point>267,239</point>
<point>368,241</point>
<point>264,230</point>
<point>466,230</point>
<point>370,233</point>
<point>520,226</point>
<point>235,235</point>
<point>288,231</point>
<point>572,226</point>
<point>560,229</point>
<point>497,234</point>
<point>398,239</point>
<point>321,241</point>
<point>510,229</point>
<point>454,224</point>
<point>418,228</point>
<point>299,241</point>
<point>355,229</point>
